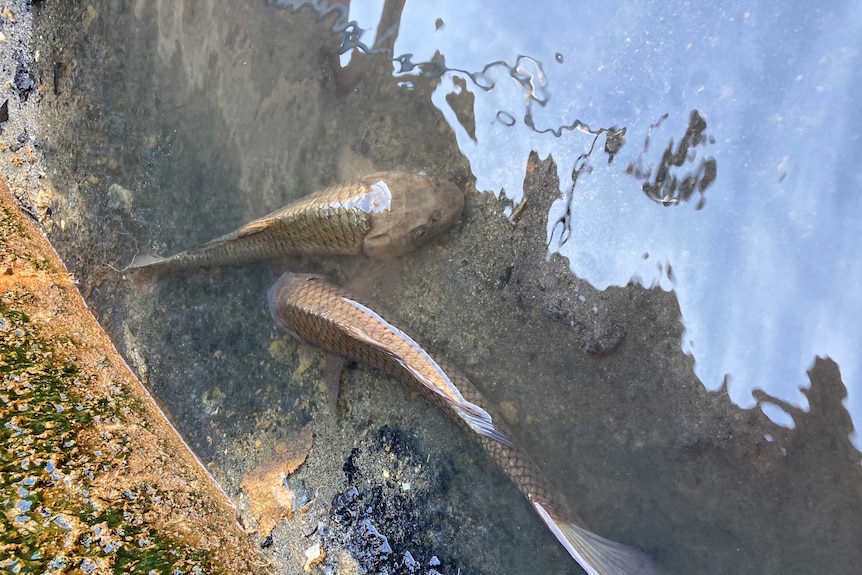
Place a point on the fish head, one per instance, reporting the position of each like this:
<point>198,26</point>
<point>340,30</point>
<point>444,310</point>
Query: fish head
<point>282,298</point>
<point>420,208</point>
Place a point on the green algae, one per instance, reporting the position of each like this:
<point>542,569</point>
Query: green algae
<point>57,514</point>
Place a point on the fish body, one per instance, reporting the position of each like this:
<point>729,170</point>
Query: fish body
<point>382,215</point>
<point>320,313</point>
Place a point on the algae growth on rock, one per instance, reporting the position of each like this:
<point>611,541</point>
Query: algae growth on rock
<point>93,478</point>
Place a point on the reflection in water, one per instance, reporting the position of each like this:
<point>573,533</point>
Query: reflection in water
<point>767,275</point>
<point>666,188</point>
<point>526,71</point>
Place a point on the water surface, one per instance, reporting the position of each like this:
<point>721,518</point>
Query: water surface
<point>763,258</point>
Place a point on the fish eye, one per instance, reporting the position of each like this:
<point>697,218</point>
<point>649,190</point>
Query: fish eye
<point>420,232</point>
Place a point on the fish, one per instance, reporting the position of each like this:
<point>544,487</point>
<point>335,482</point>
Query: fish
<point>325,315</point>
<point>382,216</point>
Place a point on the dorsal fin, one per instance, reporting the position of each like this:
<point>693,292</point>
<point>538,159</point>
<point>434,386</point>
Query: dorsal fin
<point>255,227</point>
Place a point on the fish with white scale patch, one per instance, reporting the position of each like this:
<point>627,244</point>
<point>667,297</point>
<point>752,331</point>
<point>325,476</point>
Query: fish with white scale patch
<point>381,216</point>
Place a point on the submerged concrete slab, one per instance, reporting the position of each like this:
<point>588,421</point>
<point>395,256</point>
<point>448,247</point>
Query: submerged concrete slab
<point>94,478</point>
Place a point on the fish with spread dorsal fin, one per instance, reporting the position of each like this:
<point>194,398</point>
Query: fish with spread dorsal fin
<point>322,314</point>
<point>382,215</point>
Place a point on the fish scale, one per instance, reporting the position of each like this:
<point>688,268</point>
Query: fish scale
<point>317,317</point>
<point>327,316</point>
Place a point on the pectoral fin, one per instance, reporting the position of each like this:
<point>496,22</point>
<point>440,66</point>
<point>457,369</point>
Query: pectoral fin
<point>481,423</point>
<point>333,365</point>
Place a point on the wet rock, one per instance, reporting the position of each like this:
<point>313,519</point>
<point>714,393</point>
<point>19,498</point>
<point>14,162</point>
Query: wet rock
<point>350,468</point>
<point>462,104</point>
<point>600,338</point>
<point>392,440</point>
<point>314,555</point>
<point>90,465</point>
<point>23,83</point>
<point>561,295</point>
<point>376,544</point>
<point>361,538</point>
<point>119,198</point>
<point>343,506</point>
<point>409,563</point>
<point>379,517</point>
<point>270,498</point>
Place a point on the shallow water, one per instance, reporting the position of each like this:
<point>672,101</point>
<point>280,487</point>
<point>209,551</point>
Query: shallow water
<point>210,114</point>
<point>763,257</point>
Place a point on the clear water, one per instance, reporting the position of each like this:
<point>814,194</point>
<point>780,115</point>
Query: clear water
<point>213,113</point>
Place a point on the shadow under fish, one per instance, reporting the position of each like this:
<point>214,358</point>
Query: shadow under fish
<point>322,314</point>
<point>382,216</point>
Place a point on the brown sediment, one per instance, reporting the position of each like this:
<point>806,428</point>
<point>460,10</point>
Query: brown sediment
<point>100,476</point>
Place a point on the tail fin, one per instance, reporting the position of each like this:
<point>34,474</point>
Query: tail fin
<point>145,261</point>
<point>597,555</point>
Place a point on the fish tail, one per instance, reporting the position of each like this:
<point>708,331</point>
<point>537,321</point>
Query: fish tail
<point>145,261</point>
<point>597,555</point>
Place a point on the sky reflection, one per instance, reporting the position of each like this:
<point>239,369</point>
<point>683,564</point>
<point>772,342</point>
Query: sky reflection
<point>767,272</point>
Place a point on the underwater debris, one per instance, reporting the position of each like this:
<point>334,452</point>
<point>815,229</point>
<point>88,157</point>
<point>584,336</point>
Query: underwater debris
<point>270,498</point>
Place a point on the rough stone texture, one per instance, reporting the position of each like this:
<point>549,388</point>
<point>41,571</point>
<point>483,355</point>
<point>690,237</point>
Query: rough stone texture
<point>93,475</point>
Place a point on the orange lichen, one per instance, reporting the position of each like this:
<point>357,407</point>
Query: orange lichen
<point>269,497</point>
